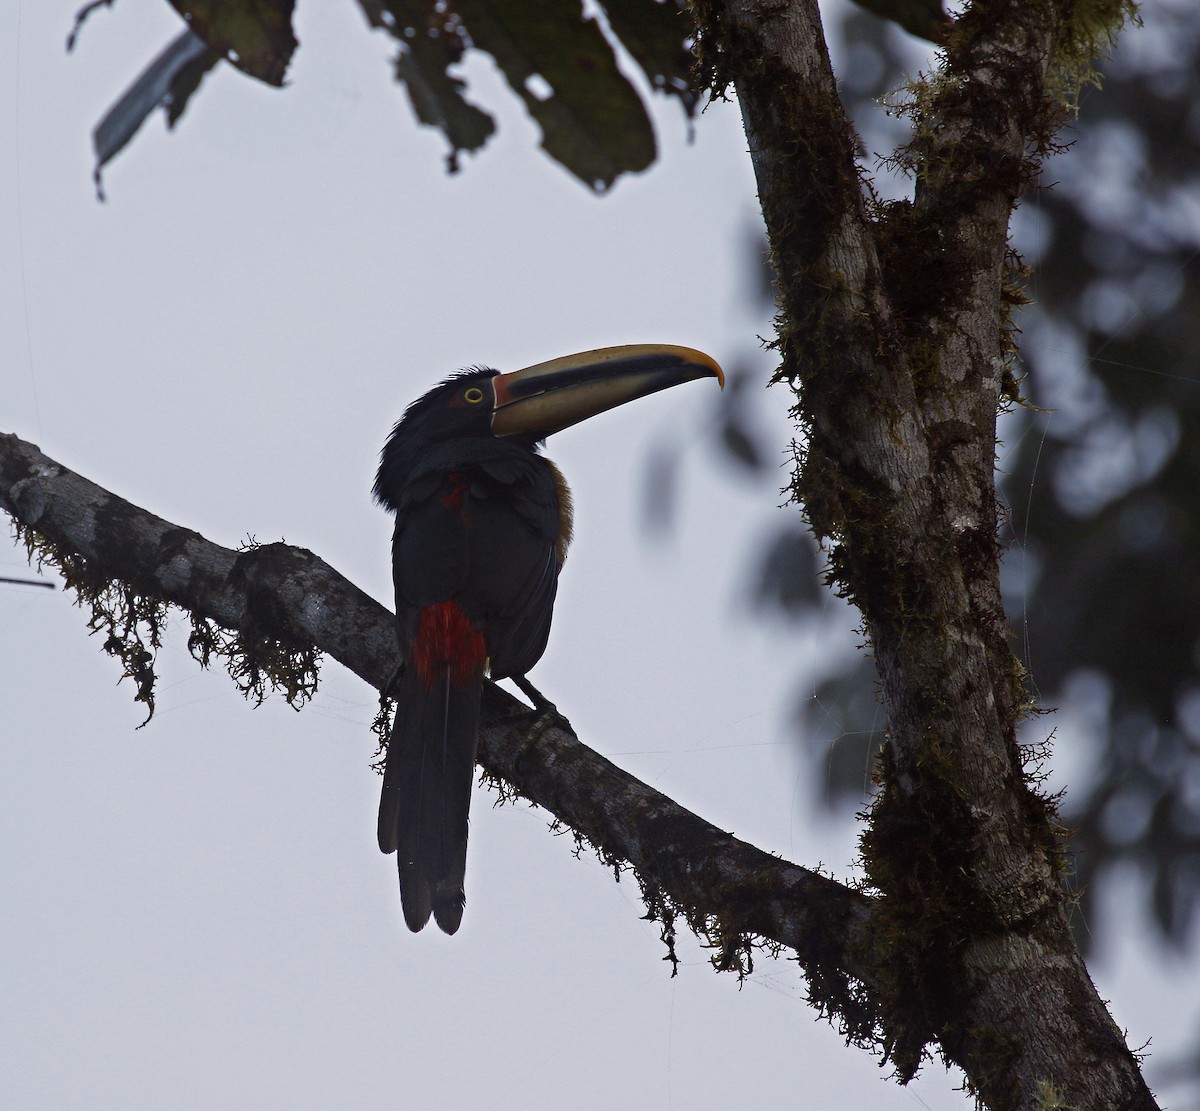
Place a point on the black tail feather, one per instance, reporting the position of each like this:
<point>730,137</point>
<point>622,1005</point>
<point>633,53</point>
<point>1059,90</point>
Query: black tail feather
<point>427,784</point>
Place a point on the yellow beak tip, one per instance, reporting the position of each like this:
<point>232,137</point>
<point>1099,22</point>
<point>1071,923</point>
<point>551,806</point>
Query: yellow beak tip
<point>702,359</point>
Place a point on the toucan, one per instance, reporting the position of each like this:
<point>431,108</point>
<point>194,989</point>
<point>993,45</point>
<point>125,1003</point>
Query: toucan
<point>483,522</point>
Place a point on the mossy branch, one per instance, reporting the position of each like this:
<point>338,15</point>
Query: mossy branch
<point>272,608</point>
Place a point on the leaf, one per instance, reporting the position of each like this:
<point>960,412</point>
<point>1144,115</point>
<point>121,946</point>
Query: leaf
<point>255,35</point>
<point>169,80</point>
<point>923,18</point>
<point>81,17</point>
<point>560,64</point>
<point>842,726</point>
<point>437,100</point>
<point>431,42</point>
<point>658,34</point>
<point>660,487</point>
<point>788,581</point>
<point>556,60</point>
<point>186,82</point>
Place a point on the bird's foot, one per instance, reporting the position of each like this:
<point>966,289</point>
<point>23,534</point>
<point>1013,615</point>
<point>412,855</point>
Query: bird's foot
<point>544,713</point>
<point>542,706</point>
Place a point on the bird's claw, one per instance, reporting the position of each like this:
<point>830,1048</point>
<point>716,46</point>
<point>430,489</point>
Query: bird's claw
<point>542,706</point>
<point>545,716</point>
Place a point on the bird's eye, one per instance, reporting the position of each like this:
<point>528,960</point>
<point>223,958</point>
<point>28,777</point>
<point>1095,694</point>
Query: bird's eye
<point>473,395</point>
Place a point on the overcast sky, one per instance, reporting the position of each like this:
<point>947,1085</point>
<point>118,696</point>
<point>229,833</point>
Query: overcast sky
<point>195,914</point>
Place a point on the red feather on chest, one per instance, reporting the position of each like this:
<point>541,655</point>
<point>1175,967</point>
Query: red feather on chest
<point>454,497</point>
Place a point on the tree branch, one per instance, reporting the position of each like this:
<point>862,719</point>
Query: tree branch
<point>726,889</point>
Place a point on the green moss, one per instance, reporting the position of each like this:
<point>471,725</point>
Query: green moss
<point>731,946</point>
<point>258,662</point>
<point>1048,1098</point>
<point>381,726</point>
<point>131,623</point>
<point>1088,34</point>
<point>132,618</point>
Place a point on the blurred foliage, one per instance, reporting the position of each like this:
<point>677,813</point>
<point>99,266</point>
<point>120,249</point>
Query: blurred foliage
<point>167,82</point>
<point>1104,491</point>
<point>555,59</point>
<point>560,60</point>
<point>254,35</point>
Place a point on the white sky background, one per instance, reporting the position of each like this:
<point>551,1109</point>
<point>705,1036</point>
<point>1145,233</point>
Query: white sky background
<point>195,914</point>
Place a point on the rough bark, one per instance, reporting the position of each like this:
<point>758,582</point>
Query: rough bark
<point>893,333</point>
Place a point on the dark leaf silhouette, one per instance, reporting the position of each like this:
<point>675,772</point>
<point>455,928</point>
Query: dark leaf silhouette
<point>255,35</point>
<point>168,81</point>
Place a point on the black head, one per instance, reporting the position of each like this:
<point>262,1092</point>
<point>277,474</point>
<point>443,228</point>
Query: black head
<point>460,408</point>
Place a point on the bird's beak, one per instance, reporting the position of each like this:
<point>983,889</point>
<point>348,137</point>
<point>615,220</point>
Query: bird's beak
<point>549,397</point>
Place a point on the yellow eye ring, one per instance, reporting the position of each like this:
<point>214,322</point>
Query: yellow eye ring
<point>473,395</point>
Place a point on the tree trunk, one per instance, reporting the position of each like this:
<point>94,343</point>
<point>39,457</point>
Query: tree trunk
<point>894,335</point>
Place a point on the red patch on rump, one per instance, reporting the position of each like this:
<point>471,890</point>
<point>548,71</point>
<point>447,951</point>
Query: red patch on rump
<point>447,641</point>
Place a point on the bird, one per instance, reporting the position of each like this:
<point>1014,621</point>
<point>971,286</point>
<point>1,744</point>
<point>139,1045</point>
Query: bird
<point>482,525</point>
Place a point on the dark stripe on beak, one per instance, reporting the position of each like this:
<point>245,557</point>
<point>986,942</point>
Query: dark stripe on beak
<point>548,397</point>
